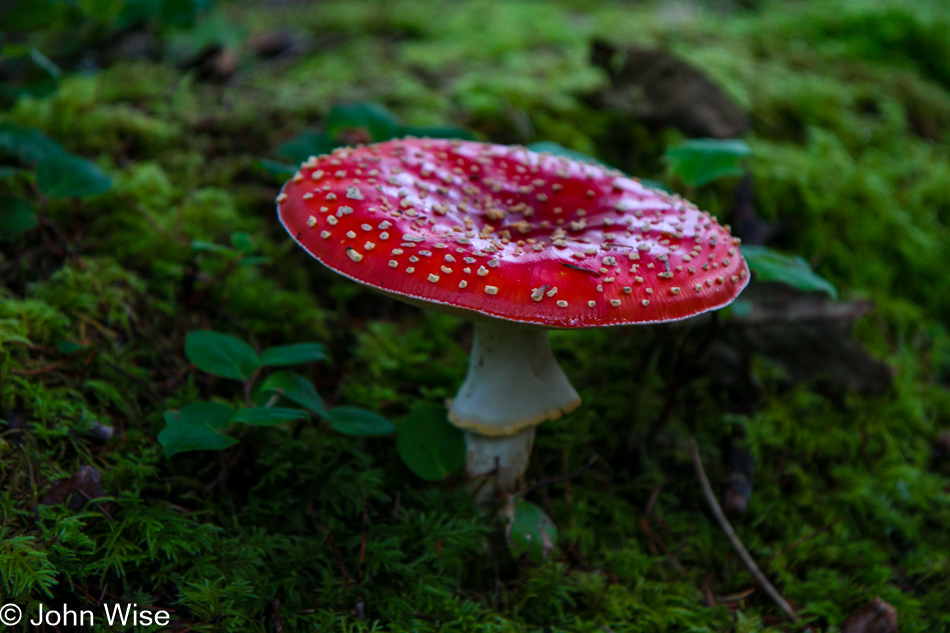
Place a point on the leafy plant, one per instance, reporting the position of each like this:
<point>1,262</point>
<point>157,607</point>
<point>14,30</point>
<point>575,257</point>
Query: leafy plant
<point>202,425</point>
<point>530,532</point>
<point>702,160</point>
<point>54,172</point>
<point>429,445</point>
<point>352,123</point>
<point>794,271</point>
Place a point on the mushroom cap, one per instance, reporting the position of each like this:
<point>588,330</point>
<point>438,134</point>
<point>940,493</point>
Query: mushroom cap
<point>500,231</point>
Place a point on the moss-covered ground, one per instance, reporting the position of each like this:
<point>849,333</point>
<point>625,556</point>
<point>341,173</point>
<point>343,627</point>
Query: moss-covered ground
<point>299,528</point>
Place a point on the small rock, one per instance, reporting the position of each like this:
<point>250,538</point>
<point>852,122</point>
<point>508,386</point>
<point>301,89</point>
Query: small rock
<point>942,448</point>
<point>661,90</point>
<point>875,617</point>
<point>737,491</point>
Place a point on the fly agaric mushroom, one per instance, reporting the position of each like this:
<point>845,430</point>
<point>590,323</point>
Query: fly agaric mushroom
<point>518,242</point>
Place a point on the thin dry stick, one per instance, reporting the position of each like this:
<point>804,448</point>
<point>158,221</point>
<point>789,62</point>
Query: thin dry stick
<point>734,539</point>
<point>560,479</point>
<point>363,538</point>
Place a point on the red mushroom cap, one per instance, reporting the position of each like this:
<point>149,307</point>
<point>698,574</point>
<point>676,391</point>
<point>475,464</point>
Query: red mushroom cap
<point>505,232</point>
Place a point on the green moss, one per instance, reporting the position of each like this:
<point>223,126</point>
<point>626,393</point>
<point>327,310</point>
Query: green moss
<point>851,117</point>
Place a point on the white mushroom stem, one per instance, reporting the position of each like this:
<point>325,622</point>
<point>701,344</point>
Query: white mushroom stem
<point>514,383</point>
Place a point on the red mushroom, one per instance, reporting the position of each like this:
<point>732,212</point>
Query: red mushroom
<point>518,242</point>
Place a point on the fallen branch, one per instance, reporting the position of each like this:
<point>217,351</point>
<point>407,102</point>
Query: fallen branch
<point>559,479</point>
<point>734,539</point>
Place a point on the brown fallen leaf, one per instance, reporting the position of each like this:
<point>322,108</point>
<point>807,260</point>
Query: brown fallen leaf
<point>874,617</point>
<point>270,44</point>
<point>78,489</point>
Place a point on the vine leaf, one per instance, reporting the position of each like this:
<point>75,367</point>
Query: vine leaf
<point>197,426</point>
<point>431,447</point>
<point>359,422</point>
<point>296,388</point>
<point>793,271</point>
<point>531,532</point>
<point>221,354</point>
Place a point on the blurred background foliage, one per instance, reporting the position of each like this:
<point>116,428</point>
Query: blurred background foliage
<point>141,145</point>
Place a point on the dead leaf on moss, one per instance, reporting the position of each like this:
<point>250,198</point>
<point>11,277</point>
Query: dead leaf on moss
<point>876,616</point>
<point>76,491</point>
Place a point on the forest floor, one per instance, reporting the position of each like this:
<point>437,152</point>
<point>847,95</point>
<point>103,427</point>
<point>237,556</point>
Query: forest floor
<point>824,424</point>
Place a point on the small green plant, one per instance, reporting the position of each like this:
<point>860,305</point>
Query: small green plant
<point>700,161</point>
<point>530,532</point>
<point>203,425</point>
<point>349,124</point>
<point>428,445</point>
<point>38,168</point>
<point>793,271</point>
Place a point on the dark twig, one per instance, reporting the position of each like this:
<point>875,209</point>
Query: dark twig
<point>550,481</point>
<point>648,510</point>
<point>38,370</point>
<point>363,538</point>
<point>734,539</point>
<point>336,553</point>
<point>278,625</point>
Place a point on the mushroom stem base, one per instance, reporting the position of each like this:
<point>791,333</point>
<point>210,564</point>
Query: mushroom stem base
<point>504,459</point>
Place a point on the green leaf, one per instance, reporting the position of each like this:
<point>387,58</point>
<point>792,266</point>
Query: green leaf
<point>431,447</point>
<point>267,416</point>
<point>702,160</point>
<point>253,261</point>
<point>16,217</point>
<point>792,271</point>
<point>296,354</point>
<point>198,426</point>
<point>29,145</point>
<point>242,241</point>
<point>356,421</point>
<point>276,167</point>
<point>66,176</point>
<point>531,532</point>
<point>12,172</point>
<point>377,119</point>
<point>177,439</point>
<point>201,245</point>
<point>296,388</point>
<point>302,147</point>
<point>68,347</point>
<point>438,131</point>
<point>214,415</point>
<point>221,355</point>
